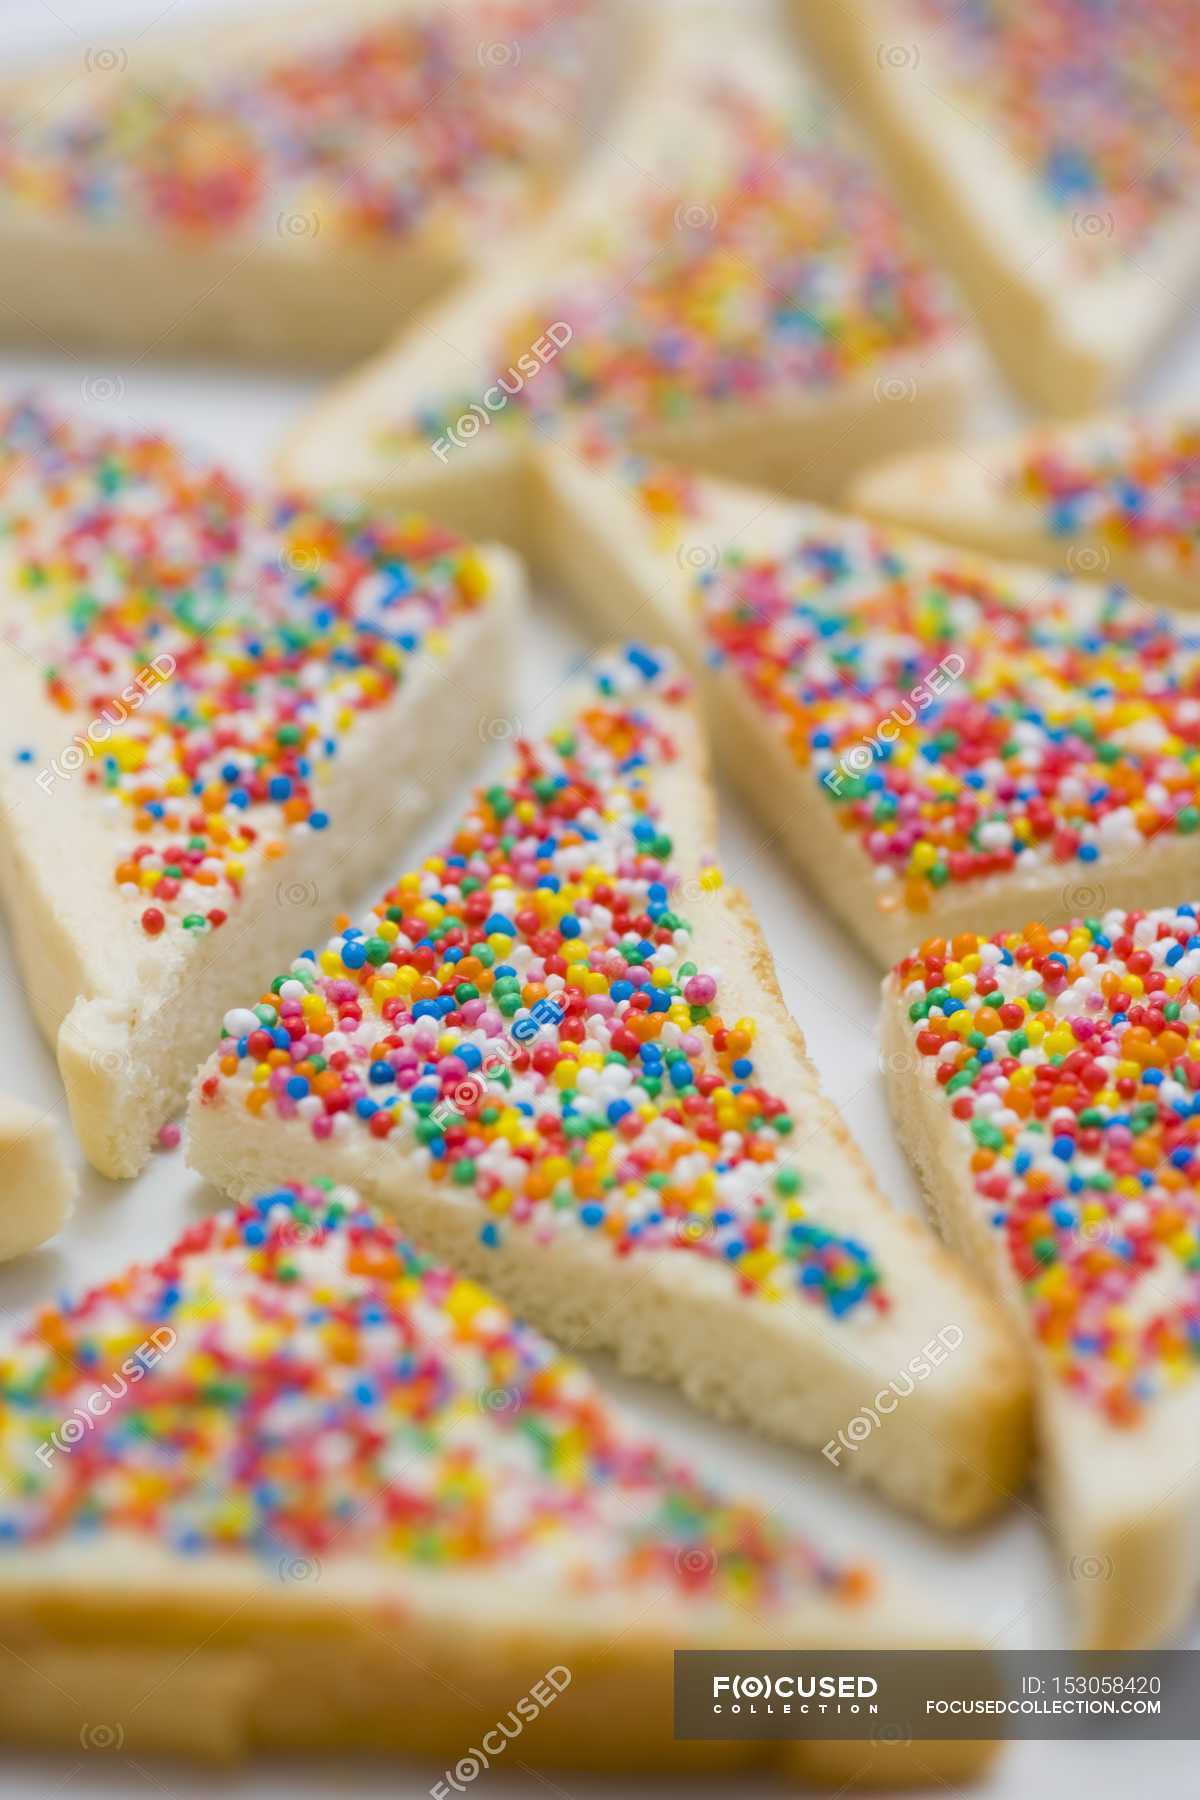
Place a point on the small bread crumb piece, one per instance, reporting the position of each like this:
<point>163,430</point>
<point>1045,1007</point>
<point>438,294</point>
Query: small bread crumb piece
<point>37,1186</point>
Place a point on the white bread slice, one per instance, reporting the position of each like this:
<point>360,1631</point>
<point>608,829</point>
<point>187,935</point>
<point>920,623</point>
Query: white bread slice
<point>169,640</point>
<point>727,282</point>
<point>651,550</point>
<point>639,1202</point>
<point>1074,282</point>
<point>1111,497</point>
<point>323,1495</point>
<point>37,1186</point>
<point>290,182</point>
<point>1086,1242</point>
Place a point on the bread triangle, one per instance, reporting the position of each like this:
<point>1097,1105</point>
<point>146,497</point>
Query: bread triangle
<point>941,742</point>
<point>727,282</point>
<point>224,711</point>
<point>294,1486</point>
<point>1113,498</point>
<point>598,1147</point>
<point>288,183</point>
<point>1054,166</point>
<point>1056,1136</point>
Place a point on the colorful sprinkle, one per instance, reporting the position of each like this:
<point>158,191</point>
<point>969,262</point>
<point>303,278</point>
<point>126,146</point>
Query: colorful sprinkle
<point>1133,484</point>
<point>1070,1065</point>
<point>962,727</point>
<point>293,1382</point>
<point>638,1116</point>
<point>448,116</point>
<point>1095,98</point>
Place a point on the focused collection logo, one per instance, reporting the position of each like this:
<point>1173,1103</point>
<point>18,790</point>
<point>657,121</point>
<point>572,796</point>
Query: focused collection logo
<point>794,1693</point>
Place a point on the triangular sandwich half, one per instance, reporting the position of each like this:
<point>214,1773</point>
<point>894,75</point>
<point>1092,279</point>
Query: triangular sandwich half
<point>294,1487</point>
<point>224,711</point>
<point>1046,1084</point>
<point>289,183</point>
<point>728,282</point>
<point>1054,158</point>
<point>941,742</point>
<point>1115,498</point>
<point>557,1054</point>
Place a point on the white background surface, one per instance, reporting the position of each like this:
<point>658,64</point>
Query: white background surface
<point>1004,1579</point>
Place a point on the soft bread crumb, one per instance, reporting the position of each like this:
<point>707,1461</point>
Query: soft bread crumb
<point>38,1187</point>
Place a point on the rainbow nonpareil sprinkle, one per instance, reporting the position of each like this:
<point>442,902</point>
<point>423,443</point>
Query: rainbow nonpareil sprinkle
<point>436,113</point>
<point>293,1382</point>
<point>791,272</point>
<point>1070,1065</point>
<point>209,648</point>
<point>1133,484</point>
<point>1058,729</point>
<point>1097,99</point>
<point>638,1117</point>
